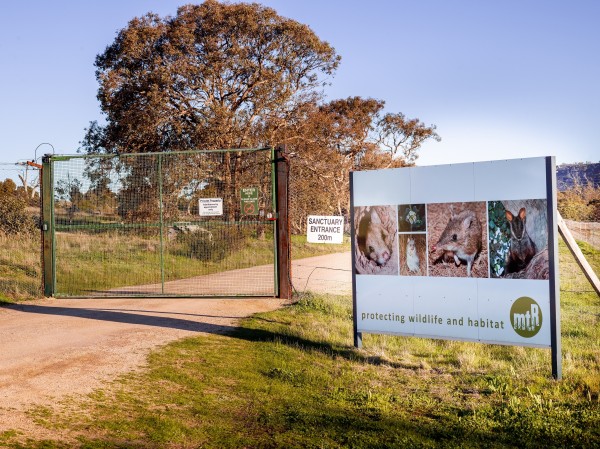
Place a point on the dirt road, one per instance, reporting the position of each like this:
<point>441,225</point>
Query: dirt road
<point>52,348</point>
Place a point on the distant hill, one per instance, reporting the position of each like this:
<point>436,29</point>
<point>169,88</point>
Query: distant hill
<point>569,174</point>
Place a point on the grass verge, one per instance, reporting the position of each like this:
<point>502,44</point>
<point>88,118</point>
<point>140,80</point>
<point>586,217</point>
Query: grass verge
<point>290,379</point>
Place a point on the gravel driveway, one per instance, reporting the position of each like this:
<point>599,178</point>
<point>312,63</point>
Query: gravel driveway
<point>52,348</point>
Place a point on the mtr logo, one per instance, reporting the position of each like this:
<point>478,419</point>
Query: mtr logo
<point>526,317</point>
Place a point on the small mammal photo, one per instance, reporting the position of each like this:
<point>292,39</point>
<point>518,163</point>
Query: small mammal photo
<point>522,248</point>
<point>518,241</point>
<point>376,240</point>
<point>413,255</point>
<point>457,233</point>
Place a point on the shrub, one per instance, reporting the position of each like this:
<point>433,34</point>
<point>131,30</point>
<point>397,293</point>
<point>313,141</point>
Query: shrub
<point>580,203</point>
<point>209,245</point>
<point>13,216</point>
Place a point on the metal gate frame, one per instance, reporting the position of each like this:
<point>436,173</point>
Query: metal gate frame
<point>279,182</point>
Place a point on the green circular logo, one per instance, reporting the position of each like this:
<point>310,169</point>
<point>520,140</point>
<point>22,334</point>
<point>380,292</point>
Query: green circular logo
<point>526,317</point>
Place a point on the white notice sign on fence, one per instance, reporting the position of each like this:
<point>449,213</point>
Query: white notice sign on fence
<point>324,229</point>
<point>210,207</point>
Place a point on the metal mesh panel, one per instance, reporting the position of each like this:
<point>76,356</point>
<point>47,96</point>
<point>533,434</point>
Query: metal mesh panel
<point>20,243</point>
<point>20,266</point>
<point>164,224</point>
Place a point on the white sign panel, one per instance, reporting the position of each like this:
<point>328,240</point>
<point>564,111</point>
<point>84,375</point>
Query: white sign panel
<point>324,229</point>
<point>458,252</point>
<point>210,207</point>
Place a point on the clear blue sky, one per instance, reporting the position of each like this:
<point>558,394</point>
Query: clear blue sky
<point>499,79</point>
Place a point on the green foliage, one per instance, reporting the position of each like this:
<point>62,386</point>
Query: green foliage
<point>13,216</point>
<point>581,202</point>
<point>209,245</point>
<point>499,237</point>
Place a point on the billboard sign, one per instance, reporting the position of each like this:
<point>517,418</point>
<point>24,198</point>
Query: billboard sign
<point>462,251</point>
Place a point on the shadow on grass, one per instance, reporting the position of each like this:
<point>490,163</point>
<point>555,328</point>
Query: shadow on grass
<point>154,318</point>
<point>345,352</point>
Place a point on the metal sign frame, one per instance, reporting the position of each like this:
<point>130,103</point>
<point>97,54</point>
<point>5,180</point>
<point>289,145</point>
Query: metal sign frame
<point>548,172</point>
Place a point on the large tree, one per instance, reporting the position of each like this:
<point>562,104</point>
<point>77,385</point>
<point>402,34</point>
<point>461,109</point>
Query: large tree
<point>329,140</point>
<point>207,78</point>
<point>207,75</point>
<point>230,76</point>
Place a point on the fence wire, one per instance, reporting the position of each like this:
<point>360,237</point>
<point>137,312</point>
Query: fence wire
<point>313,193</point>
<point>20,266</point>
<point>164,224</point>
<point>108,240</point>
<point>579,205</point>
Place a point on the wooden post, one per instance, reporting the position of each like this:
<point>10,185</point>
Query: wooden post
<point>577,254</point>
<point>47,224</point>
<point>282,174</point>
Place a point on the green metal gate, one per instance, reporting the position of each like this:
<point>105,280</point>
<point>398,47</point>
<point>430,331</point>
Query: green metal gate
<point>196,223</point>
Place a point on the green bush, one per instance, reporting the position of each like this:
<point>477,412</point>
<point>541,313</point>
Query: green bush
<point>580,203</point>
<point>209,245</point>
<point>13,216</point>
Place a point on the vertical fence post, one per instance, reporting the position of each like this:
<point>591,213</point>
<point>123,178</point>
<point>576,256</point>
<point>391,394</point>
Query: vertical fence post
<point>161,224</point>
<point>282,173</point>
<point>47,223</point>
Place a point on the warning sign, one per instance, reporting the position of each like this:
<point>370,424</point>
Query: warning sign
<point>249,200</point>
<point>324,229</point>
<point>210,207</point>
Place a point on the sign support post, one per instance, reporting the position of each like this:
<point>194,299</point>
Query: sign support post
<point>282,173</point>
<point>553,275</point>
<point>357,335</point>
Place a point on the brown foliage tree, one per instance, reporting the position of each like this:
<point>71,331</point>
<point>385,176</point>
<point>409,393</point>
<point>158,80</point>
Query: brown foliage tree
<point>334,138</point>
<point>207,78</point>
<point>232,76</point>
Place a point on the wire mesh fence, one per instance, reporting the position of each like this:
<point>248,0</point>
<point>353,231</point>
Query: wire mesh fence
<point>20,242</point>
<point>108,241</point>
<point>193,224</point>
<point>20,266</point>
<point>314,194</point>
<point>587,235</point>
<point>579,204</point>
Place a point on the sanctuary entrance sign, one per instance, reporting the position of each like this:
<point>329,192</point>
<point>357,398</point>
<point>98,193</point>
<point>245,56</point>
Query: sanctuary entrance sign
<point>464,251</point>
<point>324,229</point>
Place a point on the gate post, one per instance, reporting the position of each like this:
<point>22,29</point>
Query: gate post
<point>47,224</point>
<point>282,173</point>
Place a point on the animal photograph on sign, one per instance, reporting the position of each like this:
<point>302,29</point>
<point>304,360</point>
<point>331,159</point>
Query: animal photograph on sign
<point>413,255</point>
<point>518,239</point>
<point>477,268</point>
<point>376,240</point>
<point>457,239</point>
<point>411,218</point>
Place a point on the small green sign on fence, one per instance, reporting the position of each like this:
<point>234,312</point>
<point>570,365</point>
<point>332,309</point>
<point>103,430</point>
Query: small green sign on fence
<point>249,200</point>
